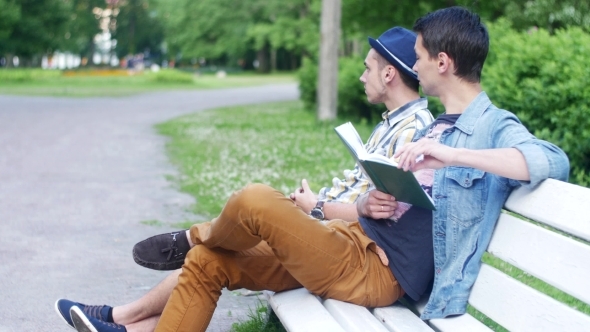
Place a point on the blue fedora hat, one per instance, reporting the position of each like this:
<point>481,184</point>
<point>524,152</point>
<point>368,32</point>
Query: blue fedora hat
<point>396,45</point>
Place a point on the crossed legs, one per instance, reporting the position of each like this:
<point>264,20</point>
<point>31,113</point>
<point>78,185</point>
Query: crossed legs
<point>261,240</point>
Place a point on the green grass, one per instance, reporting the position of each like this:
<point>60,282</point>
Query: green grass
<point>278,144</point>
<point>54,83</point>
<point>152,222</point>
<point>260,320</point>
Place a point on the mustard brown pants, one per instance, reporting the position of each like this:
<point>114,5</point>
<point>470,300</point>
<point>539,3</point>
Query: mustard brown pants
<point>262,241</point>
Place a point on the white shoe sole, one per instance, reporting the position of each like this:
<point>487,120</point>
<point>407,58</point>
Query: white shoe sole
<point>80,321</point>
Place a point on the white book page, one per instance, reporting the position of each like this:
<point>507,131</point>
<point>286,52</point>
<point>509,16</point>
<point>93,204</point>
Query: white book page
<point>352,139</point>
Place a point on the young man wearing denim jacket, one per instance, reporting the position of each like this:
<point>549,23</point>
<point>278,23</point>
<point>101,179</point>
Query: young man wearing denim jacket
<point>480,155</point>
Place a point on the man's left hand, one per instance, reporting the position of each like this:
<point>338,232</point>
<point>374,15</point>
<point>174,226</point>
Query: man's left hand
<point>376,205</point>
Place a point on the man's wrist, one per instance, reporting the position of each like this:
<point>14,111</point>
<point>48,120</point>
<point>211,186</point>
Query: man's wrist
<point>360,205</point>
<point>318,211</point>
<point>313,205</point>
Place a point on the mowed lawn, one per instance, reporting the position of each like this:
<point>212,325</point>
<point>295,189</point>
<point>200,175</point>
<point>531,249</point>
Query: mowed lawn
<point>113,83</point>
<point>278,144</point>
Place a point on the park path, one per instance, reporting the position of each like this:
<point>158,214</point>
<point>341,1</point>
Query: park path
<point>77,177</point>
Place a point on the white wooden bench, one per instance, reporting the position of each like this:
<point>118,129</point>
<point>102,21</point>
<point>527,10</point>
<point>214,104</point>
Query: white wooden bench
<point>550,256</point>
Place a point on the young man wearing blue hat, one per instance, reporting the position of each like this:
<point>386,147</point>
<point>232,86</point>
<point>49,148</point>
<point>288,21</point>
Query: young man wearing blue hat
<point>263,240</point>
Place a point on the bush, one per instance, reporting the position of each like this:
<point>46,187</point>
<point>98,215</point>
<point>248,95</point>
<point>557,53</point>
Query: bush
<point>352,100</point>
<point>26,75</point>
<point>545,80</point>
<point>308,81</point>
<point>172,76</point>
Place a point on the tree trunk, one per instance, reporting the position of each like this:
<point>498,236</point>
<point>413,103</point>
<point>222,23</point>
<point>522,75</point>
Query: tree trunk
<point>328,64</point>
<point>9,63</point>
<point>262,57</point>
<point>273,59</point>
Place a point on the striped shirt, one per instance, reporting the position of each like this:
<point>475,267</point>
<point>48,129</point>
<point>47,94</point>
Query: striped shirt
<point>396,129</point>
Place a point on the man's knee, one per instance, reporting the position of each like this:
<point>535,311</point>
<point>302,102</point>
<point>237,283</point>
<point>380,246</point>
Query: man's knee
<point>204,263</point>
<point>255,195</point>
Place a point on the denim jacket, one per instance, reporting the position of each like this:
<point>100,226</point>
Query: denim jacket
<point>468,201</point>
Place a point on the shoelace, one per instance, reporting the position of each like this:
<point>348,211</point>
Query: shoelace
<point>172,248</point>
<point>114,325</point>
<point>94,311</point>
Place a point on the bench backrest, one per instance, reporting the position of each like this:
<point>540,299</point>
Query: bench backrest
<point>549,255</point>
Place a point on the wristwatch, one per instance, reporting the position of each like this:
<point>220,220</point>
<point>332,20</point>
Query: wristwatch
<point>318,211</point>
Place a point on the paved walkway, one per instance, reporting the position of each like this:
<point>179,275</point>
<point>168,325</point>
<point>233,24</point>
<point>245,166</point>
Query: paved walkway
<point>77,177</point>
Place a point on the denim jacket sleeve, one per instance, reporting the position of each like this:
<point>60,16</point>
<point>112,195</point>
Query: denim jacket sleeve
<point>544,160</point>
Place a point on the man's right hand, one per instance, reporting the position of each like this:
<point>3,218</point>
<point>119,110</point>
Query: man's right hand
<point>376,205</point>
<point>304,198</point>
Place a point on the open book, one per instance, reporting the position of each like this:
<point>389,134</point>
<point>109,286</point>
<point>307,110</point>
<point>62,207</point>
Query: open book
<point>383,172</point>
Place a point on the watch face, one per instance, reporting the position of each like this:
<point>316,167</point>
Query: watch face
<point>317,213</point>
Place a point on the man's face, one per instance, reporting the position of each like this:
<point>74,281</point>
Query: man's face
<point>425,67</point>
<point>374,86</point>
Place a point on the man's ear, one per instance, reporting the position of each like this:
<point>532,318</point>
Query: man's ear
<point>388,74</point>
<point>445,63</point>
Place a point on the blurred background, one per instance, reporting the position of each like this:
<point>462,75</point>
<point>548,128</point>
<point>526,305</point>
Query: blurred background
<point>537,66</point>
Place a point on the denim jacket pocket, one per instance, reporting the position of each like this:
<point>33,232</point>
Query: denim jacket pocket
<point>467,186</point>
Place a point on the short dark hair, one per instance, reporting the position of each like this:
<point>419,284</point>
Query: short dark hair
<point>461,35</point>
<point>408,81</point>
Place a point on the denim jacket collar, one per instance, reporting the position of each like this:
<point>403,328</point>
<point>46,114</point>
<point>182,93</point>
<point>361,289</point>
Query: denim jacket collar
<point>467,120</point>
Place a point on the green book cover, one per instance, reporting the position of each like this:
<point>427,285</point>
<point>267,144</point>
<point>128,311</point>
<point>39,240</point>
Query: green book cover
<point>383,172</point>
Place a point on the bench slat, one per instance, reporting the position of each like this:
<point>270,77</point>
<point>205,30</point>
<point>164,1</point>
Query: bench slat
<point>398,318</point>
<point>463,323</point>
<point>562,205</point>
<point>300,311</point>
<point>353,318</point>
<point>549,256</point>
<point>518,307</point>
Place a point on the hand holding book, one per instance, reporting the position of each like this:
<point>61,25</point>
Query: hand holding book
<point>383,172</point>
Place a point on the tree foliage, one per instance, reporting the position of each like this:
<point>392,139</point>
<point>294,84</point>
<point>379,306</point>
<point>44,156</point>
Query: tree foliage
<point>9,16</point>
<point>229,31</point>
<point>549,14</point>
<point>33,26</point>
<point>81,27</point>
<point>292,25</point>
<point>138,28</point>
<point>545,81</point>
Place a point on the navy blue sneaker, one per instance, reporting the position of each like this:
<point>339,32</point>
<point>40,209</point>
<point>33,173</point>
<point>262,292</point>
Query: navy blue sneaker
<point>85,323</point>
<point>62,307</point>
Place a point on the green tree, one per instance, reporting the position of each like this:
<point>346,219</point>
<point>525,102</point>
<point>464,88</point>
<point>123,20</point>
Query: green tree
<point>40,27</point>
<point>290,25</point>
<point>9,16</point>
<point>207,28</point>
<point>138,28</point>
<point>372,17</point>
<point>81,27</point>
<point>227,31</point>
<point>549,14</point>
